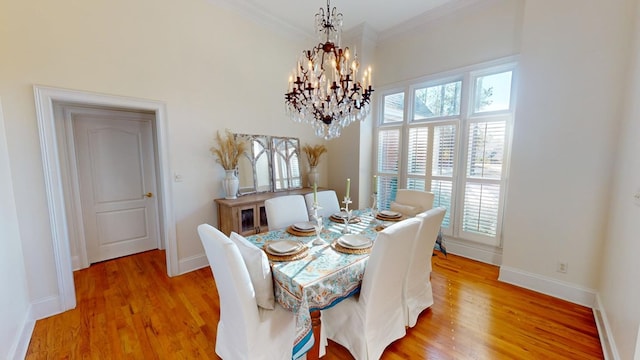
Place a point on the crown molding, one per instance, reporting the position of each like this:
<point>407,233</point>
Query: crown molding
<point>262,17</point>
<point>428,16</point>
<point>364,32</point>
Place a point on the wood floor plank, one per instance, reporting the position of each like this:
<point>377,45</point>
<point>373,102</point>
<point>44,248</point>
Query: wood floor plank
<point>128,308</point>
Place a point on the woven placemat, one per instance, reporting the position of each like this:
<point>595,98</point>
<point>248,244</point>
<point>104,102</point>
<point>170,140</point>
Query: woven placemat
<point>295,232</point>
<point>353,220</point>
<point>339,248</point>
<point>291,257</point>
<point>384,218</point>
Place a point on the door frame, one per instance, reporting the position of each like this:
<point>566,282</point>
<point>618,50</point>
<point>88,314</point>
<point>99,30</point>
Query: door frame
<point>66,137</point>
<point>44,99</point>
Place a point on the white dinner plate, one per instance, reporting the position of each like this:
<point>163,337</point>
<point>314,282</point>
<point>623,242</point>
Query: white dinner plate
<point>303,226</point>
<point>340,215</point>
<point>354,241</point>
<point>284,247</point>
<point>390,213</point>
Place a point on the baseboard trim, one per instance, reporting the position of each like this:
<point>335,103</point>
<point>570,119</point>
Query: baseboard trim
<point>609,348</point>
<point>24,337</point>
<point>75,262</point>
<point>486,254</point>
<point>192,263</point>
<point>46,307</point>
<point>549,286</point>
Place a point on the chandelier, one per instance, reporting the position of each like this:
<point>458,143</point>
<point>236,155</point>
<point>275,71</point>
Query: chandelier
<point>324,90</point>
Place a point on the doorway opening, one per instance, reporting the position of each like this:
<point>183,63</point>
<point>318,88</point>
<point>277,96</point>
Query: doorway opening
<point>47,98</point>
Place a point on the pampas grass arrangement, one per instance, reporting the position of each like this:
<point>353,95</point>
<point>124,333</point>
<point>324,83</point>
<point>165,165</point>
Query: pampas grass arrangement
<point>313,153</point>
<point>229,149</point>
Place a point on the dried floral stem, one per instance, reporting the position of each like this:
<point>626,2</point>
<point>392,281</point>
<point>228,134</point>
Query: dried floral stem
<point>229,149</point>
<point>313,153</point>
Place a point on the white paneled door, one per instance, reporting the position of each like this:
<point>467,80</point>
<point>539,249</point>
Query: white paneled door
<point>116,174</point>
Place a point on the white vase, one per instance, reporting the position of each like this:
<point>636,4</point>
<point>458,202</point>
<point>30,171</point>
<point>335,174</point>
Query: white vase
<point>313,176</point>
<point>230,184</point>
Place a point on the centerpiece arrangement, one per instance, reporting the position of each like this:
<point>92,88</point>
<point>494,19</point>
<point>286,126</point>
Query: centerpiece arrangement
<point>228,151</point>
<point>314,152</point>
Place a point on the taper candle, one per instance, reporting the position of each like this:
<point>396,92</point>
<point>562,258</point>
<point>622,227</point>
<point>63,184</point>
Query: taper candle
<point>375,184</point>
<point>348,186</point>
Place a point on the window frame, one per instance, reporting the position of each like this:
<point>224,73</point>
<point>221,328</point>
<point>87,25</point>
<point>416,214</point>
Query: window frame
<point>462,123</point>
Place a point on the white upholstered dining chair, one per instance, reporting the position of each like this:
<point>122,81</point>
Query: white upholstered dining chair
<point>283,211</point>
<point>245,331</point>
<point>418,293</point>
<point>368,322</point>
<point>412,202</point>
<point>327,200</point>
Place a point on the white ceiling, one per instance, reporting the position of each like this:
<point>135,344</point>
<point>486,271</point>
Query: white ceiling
<point>382,16</point>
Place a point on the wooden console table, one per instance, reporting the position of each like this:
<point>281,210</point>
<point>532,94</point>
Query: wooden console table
<point>246,215</point>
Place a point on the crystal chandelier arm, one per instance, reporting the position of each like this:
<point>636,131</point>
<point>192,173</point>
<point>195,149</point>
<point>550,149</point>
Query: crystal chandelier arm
<point>328,98</point>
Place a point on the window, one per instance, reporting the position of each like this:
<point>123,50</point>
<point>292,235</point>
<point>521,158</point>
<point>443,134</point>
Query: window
<point>450,135</point>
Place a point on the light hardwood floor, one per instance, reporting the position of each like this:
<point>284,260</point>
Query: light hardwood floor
<point>129,308</point>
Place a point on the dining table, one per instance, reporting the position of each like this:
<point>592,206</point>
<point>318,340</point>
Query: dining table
<point>321,277</point>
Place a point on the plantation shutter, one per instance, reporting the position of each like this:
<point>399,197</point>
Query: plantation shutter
<point>442,170</point>
<point>387,168</point>
<point>417,157</point>
<point>483,182</point>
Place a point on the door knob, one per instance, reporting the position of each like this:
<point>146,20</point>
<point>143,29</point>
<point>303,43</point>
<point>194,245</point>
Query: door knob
<point>148,195</point>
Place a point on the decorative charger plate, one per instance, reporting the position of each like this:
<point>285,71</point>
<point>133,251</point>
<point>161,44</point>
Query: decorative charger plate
<point>354,241</point>
<point>303,226</point>
<point>283,247</point>
<point>341,216</point>
<point>293,231</point>
<point>390,214</point>
<point>345,250</point>
<point>387,215</point>
<point>285,250</point>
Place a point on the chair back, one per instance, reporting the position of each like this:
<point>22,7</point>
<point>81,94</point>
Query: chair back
<point>238,307</point>
<point>383,280</point>
<point>426,239</point>
<point>283,211</point>
<point>328,201</point>
<point>418,292</point>
<point>412,202</point>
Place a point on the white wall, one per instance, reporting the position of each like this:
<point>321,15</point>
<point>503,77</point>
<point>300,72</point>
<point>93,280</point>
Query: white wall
<point>14,302</point>
<point>482,32</point>
<point>212,68</point>
<point>572,77</point>
<point>619,290</point>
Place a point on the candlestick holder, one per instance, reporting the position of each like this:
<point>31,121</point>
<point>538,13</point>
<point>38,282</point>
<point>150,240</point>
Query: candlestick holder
<point>374,202</point>
<point>374,208</point>
<point>347,218</point>
<point>317,224</point>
